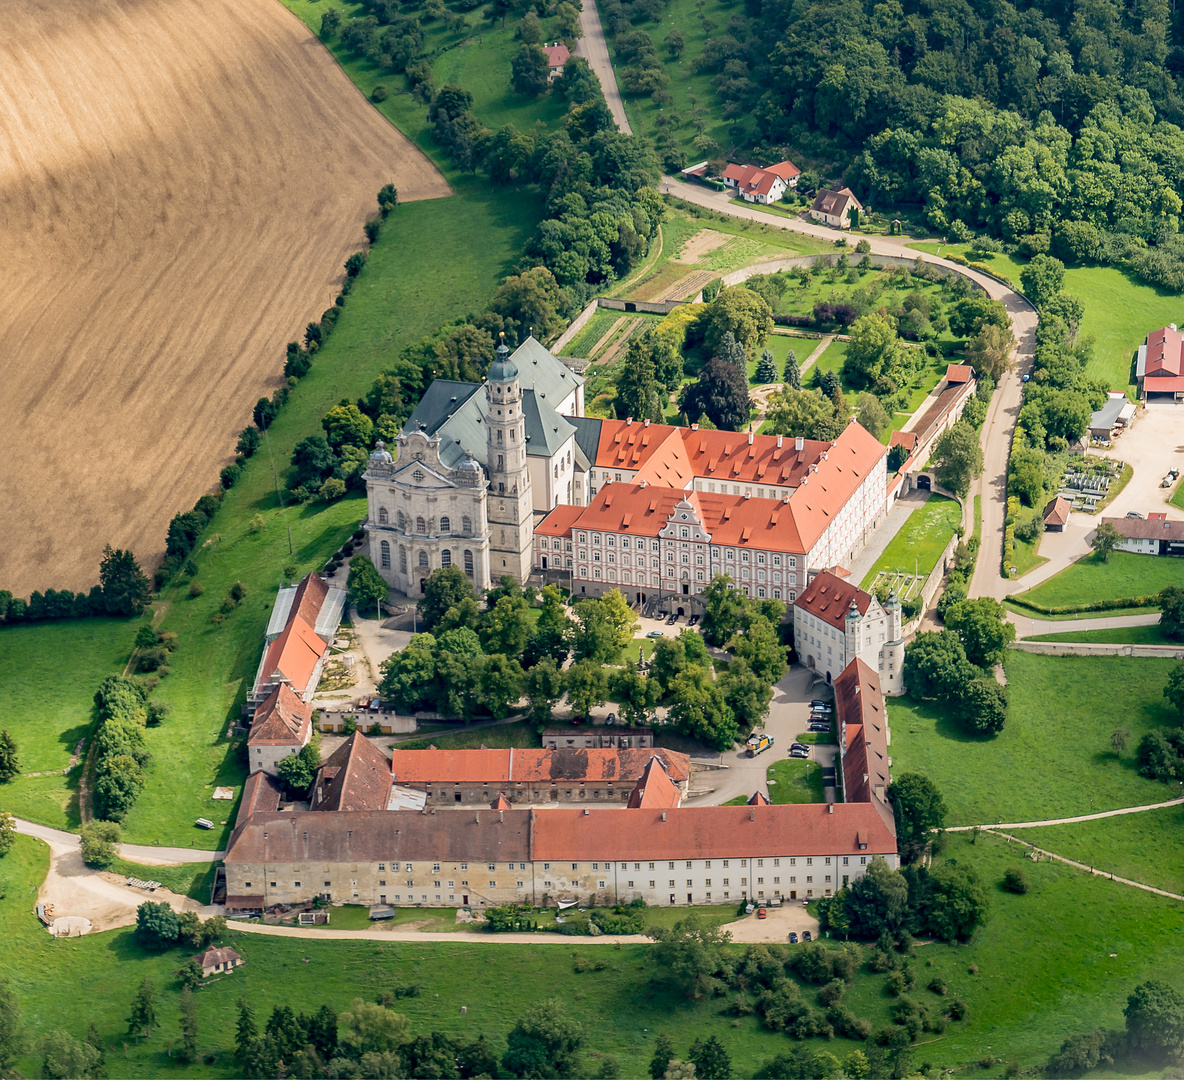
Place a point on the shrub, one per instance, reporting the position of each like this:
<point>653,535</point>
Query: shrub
<point>238,592</point>
<point>379,93</point>
<point>1015,882</point>
<point>100,843</point>
<point>196,588</point>
<point>373,228</point>
<point>957,1009</point>
<point>229,476</point>
<point>938,986</point>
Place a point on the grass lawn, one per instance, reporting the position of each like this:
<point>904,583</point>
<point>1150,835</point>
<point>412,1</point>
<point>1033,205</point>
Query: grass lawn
<point>1089,580</point>
<point>42,710</point>
<point>187,879</point>
<point>921,540</point>
<point>1127,635</point>
<point>499,736</point>
<point>1044,963</point>
<point>1025,558</point>
<point>1119,310</point>
<point>1054,754</point>
<point>1144,847</point>
<point>795,780</point>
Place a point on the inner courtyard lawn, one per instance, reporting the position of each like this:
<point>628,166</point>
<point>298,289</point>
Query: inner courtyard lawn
<point>1090,580</point>
<point>1053,758</point>
<point>796,780</point>
<point>921,540</point>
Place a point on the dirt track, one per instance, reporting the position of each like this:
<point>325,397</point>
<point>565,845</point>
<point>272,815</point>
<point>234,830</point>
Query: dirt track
<point>180,182</point>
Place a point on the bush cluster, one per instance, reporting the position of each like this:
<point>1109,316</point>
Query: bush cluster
<point>122,710</point>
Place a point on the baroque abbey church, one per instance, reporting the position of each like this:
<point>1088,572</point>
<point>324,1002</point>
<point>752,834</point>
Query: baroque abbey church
<point>471,468</point>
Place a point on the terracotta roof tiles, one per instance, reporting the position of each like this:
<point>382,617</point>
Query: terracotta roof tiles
<point>829,598</point>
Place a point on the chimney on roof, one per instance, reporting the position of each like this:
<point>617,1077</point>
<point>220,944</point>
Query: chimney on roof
<point>750,436</point>
<point>799,443</point>
<point>779,442</point>
<point>501,815</point>
<point>586,811</point>
<point>830,807</point>
<point>748,494</point>
<point>628,421</point>
<point>694,427</point>
<point>643,483</point>
<point>477,817</point>
<point>645,423</point>
<point>663,815</point>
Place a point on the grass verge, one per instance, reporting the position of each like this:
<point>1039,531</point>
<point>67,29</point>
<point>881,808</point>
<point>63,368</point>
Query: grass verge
<point>921,540</point>
<point>795,780</point>
<point>1090,580</point>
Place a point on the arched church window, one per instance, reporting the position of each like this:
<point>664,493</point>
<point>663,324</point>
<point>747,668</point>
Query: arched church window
<point>446,557</point>
<point>445,525</point>
<point>423,558</point>
<point>469,563</point>
<point>421,526</point>
<point>382,516</point>
<point>403,559</point>
<point>402,522</point>
<point>386,555</point>
<point>466,525</point>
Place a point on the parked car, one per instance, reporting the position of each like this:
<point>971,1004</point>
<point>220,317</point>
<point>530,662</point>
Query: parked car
<point>693,620</point>
<point>820,703</point>
<point>672,620</point>
<point>799,753</point>
<point>799,746</point>
<point>807,936</point>
<point>793,938</point>
<point>760,913</point>
<point>655,634</point>
<point>1026,378</point>
<point>612,719</point>
<point>1134,514</point>
<point>819,729</point>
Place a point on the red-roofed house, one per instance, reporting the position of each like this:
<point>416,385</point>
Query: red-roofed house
<point>1159,370</point>
<point>281,726</point>
<point>765,186</point>
<point>835,623</point>
<point>356,776</point>
<point>557,54</point>
<point>863,739</point>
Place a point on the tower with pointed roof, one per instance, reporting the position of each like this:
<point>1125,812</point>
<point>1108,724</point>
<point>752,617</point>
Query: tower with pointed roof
<point>510,505</point>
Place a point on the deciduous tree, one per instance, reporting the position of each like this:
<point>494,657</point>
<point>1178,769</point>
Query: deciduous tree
<point>587,686</point>
<point>958,458</point>
<point>1105,540</point>
<point>544,1042</point>
<point>99,842</point>
<point>63,1057</point>
<point>444,588</point>
<point>1155,1019</point>
<point>744,314</point>
<point>366,585</point>
<point>125,586</point>
<point>7,836</point>
<point>918,808</point>
<point>982,626</point>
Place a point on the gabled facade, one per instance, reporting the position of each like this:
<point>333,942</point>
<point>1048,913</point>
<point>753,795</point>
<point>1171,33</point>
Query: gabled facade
<point>281,727</point>
<point>765,186</point>
<point>835,208</point>
<point>836,623</point>
<point>1159,368</point>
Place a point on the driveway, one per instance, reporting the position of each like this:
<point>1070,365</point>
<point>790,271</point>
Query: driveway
<point>789,716</point>
<point>593,48</point>
<point>1154,444</point>
<point>1027,628</point>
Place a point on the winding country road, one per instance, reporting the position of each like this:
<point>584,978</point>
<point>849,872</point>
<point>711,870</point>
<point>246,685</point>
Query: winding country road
<point>132,852</point>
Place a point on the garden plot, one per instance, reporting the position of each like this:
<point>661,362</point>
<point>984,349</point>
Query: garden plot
<point>906,586</point>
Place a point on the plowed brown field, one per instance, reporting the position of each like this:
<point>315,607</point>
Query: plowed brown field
<point>180,183</point>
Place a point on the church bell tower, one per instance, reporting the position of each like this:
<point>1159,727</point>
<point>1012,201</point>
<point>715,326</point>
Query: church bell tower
<point>511,508</point>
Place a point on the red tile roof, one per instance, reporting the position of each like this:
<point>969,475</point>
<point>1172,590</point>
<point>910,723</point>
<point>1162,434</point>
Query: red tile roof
<point>1057,512</point>
<point>706,832</point>
<point>730,457</point>
<point>310,598</point>
<point>557,54</point>
<point>758,800</point>
<point>863,719</point>
<point>1151,529</point>
<point>829,598</point>
<point>787,170</point>
<point>261,795</point>
<point>559,521</point>
<point>294,654</point>
<point>959,373</point>
<point>907,439</point>
<point>654,790</point>
<point>531,765</point>
<point>630,508</point>
<point>1164,347</point>
<point>625,445</point>
<point>562,834</point>
<point>357,776</point>
<point>282,720</point>
<point>824,492</point>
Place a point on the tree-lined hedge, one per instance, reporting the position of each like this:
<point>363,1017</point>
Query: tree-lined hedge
<point>122,709</point>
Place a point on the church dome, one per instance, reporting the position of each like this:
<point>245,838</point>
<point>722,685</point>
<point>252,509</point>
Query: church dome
<point>503,369</point>
<point>469,465</point>
<point>380,454</point>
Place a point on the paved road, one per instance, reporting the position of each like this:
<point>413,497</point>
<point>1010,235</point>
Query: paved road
<point>593,48</point>
<point>1027,628</point>
<point>1005,403</point>
<point>131,852</point>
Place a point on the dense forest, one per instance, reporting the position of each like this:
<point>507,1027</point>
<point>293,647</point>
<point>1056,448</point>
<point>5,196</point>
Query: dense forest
<point>1046,124</point>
